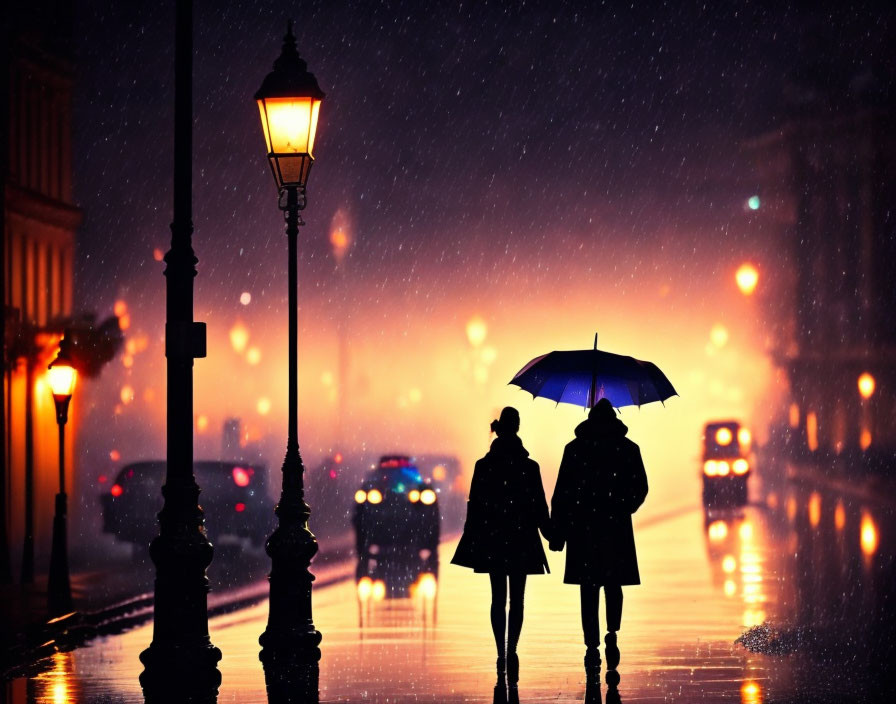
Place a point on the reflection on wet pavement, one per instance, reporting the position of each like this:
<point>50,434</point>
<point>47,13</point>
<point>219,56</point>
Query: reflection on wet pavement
<point>706,579</point>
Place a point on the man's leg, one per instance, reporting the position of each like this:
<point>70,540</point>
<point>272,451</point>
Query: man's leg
<point>590,595</point>
<point>498,618</point>
<point>613,595</point>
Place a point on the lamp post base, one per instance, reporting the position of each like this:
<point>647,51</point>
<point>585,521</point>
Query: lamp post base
<point>181,672</point>
<point>181,662</point>
<point>290,636</point>
<point>59,590</point>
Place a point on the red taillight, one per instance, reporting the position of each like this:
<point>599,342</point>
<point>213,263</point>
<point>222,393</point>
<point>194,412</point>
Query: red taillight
<point>240,476</point>
<point>116,490</point>
<point>333,474</point>
<point>102,479</point>
<point>240,507</point>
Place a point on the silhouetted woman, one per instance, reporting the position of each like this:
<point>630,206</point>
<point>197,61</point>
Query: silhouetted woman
<point>600,485</point>
<point>506,509</point>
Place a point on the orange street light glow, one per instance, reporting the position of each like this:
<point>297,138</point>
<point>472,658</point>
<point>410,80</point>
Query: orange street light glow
<point>724,436</point>
<point>867,385</point>
<point>869,536</point>
<point>477,329</point>
<point>747,277</point>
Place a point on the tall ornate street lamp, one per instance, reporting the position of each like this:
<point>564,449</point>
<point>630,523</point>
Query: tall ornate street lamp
<point>61,376</point>
<point>181,662</point>
<point>289,100</point>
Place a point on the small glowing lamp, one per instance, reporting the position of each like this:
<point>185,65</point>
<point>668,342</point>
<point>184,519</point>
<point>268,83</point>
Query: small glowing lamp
<point>61,377</point>
<point>867,385</point>
<point>724,436</point>
<point>428,497</point>
<point>289,102</point>
<point>747,276</point>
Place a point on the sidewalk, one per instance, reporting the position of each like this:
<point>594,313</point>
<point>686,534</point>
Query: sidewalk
<point>119,595</point>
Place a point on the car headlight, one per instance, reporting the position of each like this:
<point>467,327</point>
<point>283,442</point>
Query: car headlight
<point>710,468</point>
<point>374,496</point>
<point>360,496</point>
<point>741,466</point>
<point>428,497</point>
<point>413,496</point>
<point>723,468</point>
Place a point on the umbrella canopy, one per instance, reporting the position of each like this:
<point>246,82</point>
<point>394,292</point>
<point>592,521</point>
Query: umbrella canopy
<point>583,377</point>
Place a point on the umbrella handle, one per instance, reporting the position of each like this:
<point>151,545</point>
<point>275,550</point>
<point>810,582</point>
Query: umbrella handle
<point>593,377</point>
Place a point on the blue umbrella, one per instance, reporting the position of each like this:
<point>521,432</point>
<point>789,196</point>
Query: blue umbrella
<point>583,377</point>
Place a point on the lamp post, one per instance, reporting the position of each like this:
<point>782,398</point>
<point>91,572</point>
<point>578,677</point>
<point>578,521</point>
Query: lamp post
<point>181,662</point>
<point>61,376</point>
<point>288,101</point>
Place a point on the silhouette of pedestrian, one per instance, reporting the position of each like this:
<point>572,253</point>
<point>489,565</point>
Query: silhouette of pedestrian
<point>505,511</point>
<point>600,485</point>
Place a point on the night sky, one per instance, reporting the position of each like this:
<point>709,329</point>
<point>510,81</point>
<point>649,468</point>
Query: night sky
<point>493,157</point>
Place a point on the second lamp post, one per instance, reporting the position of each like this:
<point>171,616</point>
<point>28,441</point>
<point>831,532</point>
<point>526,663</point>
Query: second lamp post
<point>289,100</point>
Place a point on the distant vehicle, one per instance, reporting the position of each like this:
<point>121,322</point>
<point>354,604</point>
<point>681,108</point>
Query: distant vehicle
<point>726,463</point>
<point>396,525</point>
<point>234,498</point>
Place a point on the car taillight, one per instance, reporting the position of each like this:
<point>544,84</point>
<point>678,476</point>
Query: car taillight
<point>116,490</point>
<point>239,507</point>
<point>741,466</point>
<point>240,476</point>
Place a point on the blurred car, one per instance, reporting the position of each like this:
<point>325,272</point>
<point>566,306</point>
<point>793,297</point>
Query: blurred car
<point>396,525</point>
<point>726,463</point>
<point>234,499</point>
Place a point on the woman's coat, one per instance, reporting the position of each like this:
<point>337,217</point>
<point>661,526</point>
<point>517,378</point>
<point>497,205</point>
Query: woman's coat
<point>505,511</point>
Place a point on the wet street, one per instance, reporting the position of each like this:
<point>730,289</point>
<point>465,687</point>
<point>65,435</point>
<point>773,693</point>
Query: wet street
<point>705,580</point>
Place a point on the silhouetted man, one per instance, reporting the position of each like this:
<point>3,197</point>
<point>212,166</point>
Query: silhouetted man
<point>600,485</point>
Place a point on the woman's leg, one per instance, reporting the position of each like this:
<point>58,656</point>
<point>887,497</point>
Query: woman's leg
<point>499,601</point>
<point>515,614</point>
<point>590,601</point>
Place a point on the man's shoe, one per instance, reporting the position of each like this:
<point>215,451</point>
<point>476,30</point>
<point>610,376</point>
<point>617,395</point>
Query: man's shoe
<point>611,651</point>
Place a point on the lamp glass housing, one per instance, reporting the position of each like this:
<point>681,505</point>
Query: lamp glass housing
<point>61,378</point>
<point>289,125</point>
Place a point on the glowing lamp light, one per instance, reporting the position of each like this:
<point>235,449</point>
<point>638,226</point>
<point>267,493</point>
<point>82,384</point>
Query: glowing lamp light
<point>428,497</point>
<point>61,377</point>
<point>753,202</point>
<point>747,276</point>
<point>378,590</point>
<point>814,509</point>
<point>360,496</point>
<point>374,496</point>
<point>477,329</point>
<point>116,490</point>
<point>744,437</point>
<point>729,564</point>
<point>740,466</point>
<point>867,385</point>
<point>722,468</point>
<point>750,693</point>
<point>869,537</point>
<point>413,496</point>
<point>289,103</point>
<point>724,436</point>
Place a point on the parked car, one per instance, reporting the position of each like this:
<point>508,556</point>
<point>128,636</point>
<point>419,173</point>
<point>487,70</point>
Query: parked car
<point>234,498</point>
<point>726,463</point>
<point>396,525</point>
